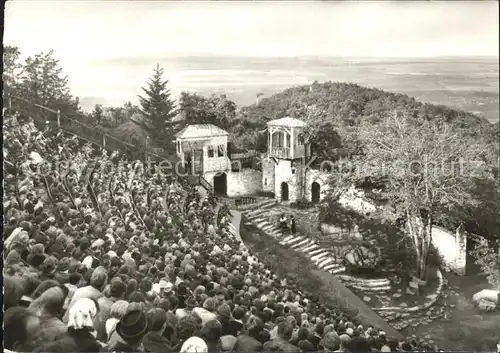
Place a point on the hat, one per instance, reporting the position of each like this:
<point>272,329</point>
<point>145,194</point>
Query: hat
<point>132,326</point>
<point>349,331</point>
<point>224,310</point>
<point>191,302</point>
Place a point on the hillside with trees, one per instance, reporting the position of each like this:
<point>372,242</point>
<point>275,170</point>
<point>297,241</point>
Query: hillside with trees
<point>346,105</point>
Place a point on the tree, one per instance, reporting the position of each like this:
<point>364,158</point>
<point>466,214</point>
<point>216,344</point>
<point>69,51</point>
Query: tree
<point>97,114</point>
<point>11,67</point>
<point>157,109</point>
<point>43,82</point>
<point>427,168</point>
<point>217,110</point>
<point>196,109</point>
<point>487,255</point>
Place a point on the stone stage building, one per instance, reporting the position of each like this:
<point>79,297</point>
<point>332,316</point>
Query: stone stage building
<point>281,172</point>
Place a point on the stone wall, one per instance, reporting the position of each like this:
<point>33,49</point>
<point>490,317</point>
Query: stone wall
<point>268,175</point>
<point>216,163</point>
<point>284,174</point>
<point>319,177</point>
<point>245,182</point>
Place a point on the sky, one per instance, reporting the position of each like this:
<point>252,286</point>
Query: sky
<point>99,29</point>
<point>85,32</point>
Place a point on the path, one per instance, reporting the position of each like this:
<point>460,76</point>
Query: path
<point>234,226</point>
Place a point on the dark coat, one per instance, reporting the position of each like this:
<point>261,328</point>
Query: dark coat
<point>247,344</point>
<point>284,346</point>
<point>154,343</point>
<point>84,340</point>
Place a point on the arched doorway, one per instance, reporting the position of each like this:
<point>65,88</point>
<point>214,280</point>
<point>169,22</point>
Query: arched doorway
<point>315,192</point>
<point>284,191</point>
<point>220,184</point>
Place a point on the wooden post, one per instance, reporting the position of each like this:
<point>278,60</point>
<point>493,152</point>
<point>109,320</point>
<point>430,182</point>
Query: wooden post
<point>103,141</point>
<point>146,150</point>
<point>58,119</point>
<point>10,105</point>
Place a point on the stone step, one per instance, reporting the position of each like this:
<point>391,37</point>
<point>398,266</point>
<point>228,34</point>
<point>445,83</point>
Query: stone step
<point>316,252</point>
<point>331,266</point>
<point>268,228</point>
<point>253,217</point>
<point>369,289</point>
<point>296,240</point>
<point>321,258</point>
<point>301,244</point>
<point>325,262</point>
<point>268,204</point>
<point>310,248</point>
<point>337,270</point>
<point>306,246</point>
<point>261,224</point>
<point>288,237</point>
<point>320,255</point>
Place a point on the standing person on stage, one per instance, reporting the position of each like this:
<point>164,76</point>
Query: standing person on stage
<point>293,228</point>
<point>283,224</point>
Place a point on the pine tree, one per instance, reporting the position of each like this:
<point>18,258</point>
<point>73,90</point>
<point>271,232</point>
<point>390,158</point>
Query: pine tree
<point>158,109</point>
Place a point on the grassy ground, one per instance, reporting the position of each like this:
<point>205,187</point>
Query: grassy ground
<point>464,327</point>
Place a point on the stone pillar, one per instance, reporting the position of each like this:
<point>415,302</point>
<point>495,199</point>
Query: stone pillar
<point>461,254</point>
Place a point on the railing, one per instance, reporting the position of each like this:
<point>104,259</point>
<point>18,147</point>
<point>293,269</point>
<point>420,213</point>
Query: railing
<point>205,184</point>
<point>280,152</point>
<point>47,117</point>
<point>245,200</point>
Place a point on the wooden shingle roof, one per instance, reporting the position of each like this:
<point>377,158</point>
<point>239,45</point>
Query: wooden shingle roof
<point>201,130</point>
<point>287,121</point>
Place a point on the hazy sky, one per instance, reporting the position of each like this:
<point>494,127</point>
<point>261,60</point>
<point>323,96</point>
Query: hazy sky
<point>97,40</point>
<point>102,29</point>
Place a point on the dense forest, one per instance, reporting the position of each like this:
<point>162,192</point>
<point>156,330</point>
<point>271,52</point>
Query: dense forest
<point>344,106</point>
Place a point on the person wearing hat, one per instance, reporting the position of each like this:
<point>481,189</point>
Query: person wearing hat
<point>129,332</point>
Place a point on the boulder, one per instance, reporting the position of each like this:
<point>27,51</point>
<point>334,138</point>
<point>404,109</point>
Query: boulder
<point>486,305</point>
<point>363,256</point>
<point>487,294</point>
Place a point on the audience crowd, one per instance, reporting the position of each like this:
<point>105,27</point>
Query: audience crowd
<point>101,255</point>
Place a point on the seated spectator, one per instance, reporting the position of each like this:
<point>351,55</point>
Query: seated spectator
<point>21,331</point>
<point>129,332</point>
<point>48,307</point>
<point>81,324</point>
<point>62,345</point>
<point>282,341</point>
<point>154,341</point>
<point>194,345</point>
<point>118,310</point>
<point>211,332</point>
<point>248,340</point>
